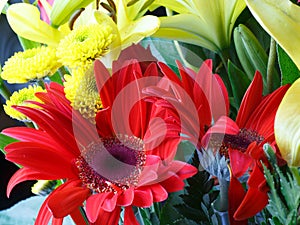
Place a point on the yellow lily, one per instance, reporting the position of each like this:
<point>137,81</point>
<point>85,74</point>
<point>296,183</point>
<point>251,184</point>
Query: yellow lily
<point>201,22</point>
<point>287,125</point>
<point>131,22</point>
<point>25,20</point>
<point>62,10</point>
<point>280,18</point>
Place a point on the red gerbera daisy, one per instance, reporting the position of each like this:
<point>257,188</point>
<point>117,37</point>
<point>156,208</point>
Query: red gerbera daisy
<point>123,161</point>
<point>196,99</point>
<point>243,143</point>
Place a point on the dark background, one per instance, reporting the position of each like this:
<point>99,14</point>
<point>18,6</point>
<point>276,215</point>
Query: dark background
<point>8,45</point>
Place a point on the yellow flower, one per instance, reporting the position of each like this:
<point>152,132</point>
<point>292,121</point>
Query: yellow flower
<point>31,64</point>
<point>133,26</point>
<point>281,19</point>
<point>18,98</point>
<point>85,44</point>
<point>207,23</point>
<point>62,10</point>
<point>25,21</point>
<point>287,125</point>
<point>81,90</point>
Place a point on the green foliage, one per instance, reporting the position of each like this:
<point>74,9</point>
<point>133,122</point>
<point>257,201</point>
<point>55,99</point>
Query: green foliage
<point>5,140</point>
<point>239,82</point>
<point>252,55</point>
<point>289,71</point>
<point>284,195</point>
<point>198,197</point>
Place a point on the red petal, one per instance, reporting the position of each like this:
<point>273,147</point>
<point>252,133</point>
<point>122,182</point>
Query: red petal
<point>251,100</point>
<point>236,194</point>
<point>102,76</point>
<point>143,197</point>
<point>77,217</point>
<point>64,202</point>
<point>44,215</point>
<point>173,184</point>
<point>129,217</point>
<point>159,193</point>
<point>262,119</point>
<point>253,203</point>
<point>108,218</point>
<point>126,197</point>
<point>40,158</point>
<point>96,203</point>
<point>103,122</point>
<point>57,221</point>
<point>24,174</point>
<point>239,162</point>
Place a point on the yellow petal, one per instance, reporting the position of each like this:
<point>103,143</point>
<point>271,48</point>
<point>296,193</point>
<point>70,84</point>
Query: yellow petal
<point>62,10</point>
<point>25,20</point>
<point>281,19</point>
<point>287,125</point>
<point>139,29</point>
<point>188,28</point>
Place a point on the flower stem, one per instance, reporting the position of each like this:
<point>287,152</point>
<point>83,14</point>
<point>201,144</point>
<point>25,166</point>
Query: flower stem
<point>271,64</point>
<point>4,90</point>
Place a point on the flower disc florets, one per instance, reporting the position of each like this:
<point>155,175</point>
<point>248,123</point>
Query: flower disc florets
<point>112,164</point>
<point>18,98</point>
<point>81,90</point>
<point>85,44</point>
<point>31,64</point>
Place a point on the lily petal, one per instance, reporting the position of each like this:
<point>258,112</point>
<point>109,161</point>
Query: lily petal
<point>280,18</point>
<point>287,125</point>
<point>25,20</point>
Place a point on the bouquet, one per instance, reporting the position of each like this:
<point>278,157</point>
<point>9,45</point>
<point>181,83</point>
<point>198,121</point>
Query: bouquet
<point>156,111</point>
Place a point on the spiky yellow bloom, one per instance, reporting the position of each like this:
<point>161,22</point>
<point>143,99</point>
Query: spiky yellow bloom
<point>18,98</point>
<point>81,90</point>
<point>31,64</point>
<point>85,44</point>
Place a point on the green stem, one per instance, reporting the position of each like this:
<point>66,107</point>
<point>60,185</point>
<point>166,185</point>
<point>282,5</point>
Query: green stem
<point>84,215</point>
<point>224,55</point>
<point>4,90</point>
<point>271,64</point>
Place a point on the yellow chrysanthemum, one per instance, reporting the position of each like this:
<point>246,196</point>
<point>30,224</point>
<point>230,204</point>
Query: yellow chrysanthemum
<point>18,98</point>
<point>31,64</point>
<point>81,90</point>
<point>85,44</point>
<point>43,187</point>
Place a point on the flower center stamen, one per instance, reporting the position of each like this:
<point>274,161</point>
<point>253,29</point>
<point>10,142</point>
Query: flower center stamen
<point>240,141</point>
<point>112,164</point>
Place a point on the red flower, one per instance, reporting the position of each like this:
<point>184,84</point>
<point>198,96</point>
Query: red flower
<point>243,142</point>
<point>196,99</point>
<point>111,165</point>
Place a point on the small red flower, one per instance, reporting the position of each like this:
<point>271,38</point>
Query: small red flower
<point>123,161</point>
<point>243,142</point>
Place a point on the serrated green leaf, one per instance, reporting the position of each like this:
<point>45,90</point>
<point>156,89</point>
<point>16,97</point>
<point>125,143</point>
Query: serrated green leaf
<point>239,82</point>
<point>168,213</point>
<point>5,140</point>
<point>289,70</point>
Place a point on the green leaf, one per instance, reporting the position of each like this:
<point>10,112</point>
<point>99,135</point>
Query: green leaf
<point>5,140</point>
<point>168,213</point>
<point>239,82</point>
<point>28,44</point>
<point>289,70</point>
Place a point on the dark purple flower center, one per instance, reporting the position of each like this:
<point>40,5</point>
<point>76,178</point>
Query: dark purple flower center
<point>112,163</point>
<point>240,141</point>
